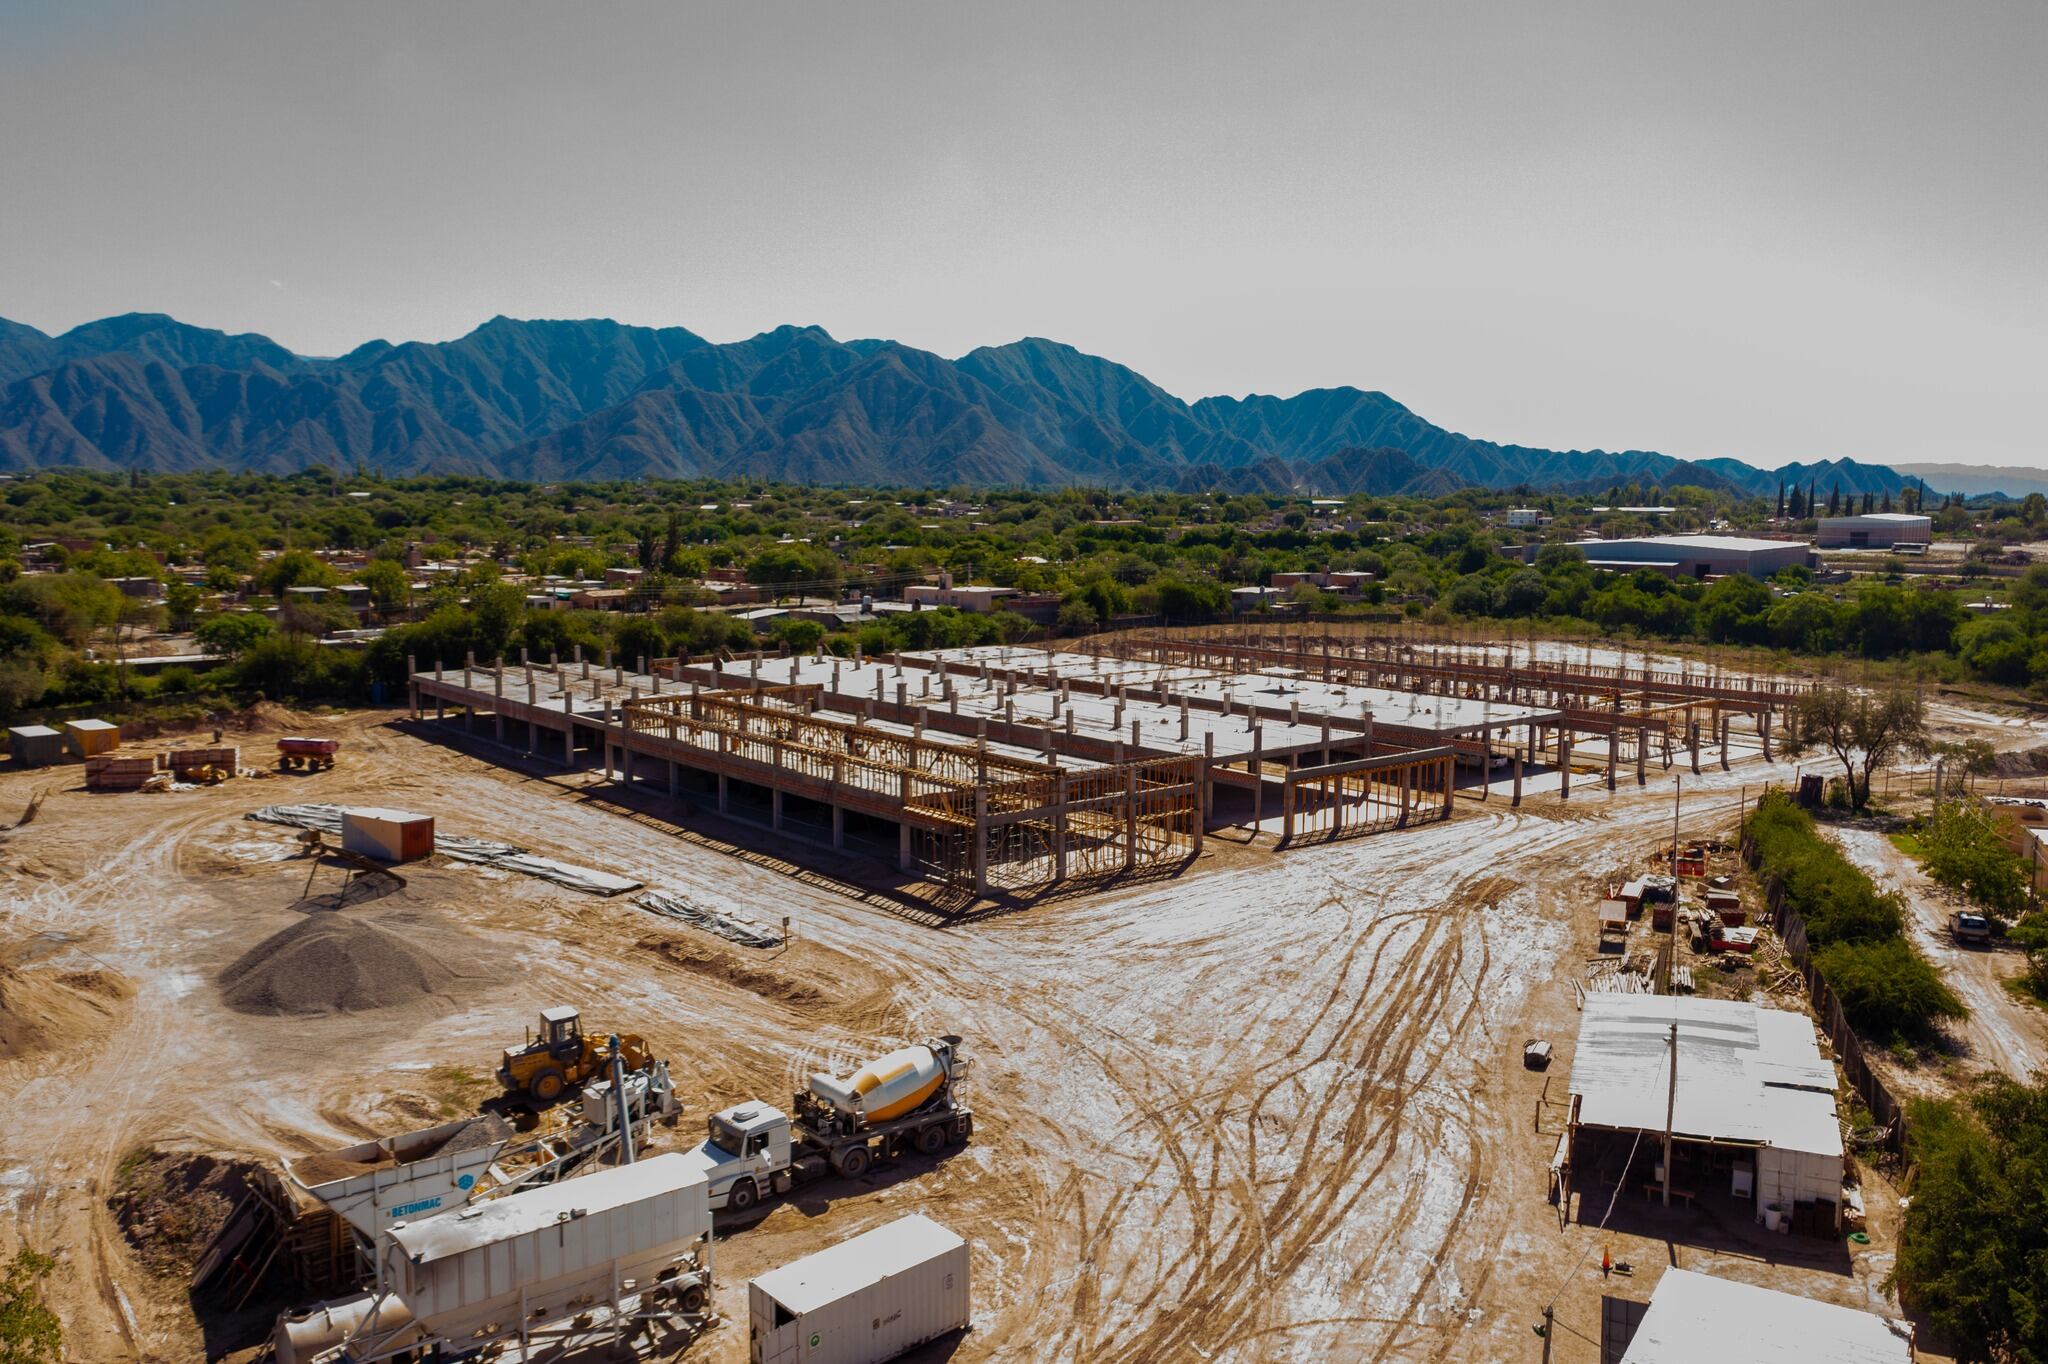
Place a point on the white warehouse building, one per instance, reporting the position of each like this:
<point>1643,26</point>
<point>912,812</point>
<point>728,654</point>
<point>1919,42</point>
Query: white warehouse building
<point>1697,556</point>
<point>1875,530</point>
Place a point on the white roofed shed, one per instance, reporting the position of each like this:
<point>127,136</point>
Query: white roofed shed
<point>1747,1076</point>
<point>1699,1319</point>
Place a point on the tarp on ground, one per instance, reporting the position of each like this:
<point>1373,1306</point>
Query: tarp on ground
<point>732,927</point>
<point>480,851</point>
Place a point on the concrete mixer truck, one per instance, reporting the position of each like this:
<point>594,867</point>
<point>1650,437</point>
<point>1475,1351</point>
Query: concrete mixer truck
<point>902,1102</point>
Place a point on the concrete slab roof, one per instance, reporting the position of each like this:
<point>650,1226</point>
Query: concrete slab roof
<point>1272,688</point>
<point>1095,717</point>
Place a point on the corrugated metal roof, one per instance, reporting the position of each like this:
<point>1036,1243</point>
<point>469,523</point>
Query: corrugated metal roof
<point>1744,1073</point>
<point>1699,1319</point>
<point>831,1274</point>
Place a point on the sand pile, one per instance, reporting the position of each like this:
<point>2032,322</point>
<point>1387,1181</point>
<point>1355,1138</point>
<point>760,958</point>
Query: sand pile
<point>334,963</point>
<point>41,1009</point>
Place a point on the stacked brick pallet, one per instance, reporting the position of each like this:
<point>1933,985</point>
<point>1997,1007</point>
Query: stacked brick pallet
<point>227,758</point>
<point>119,771</point>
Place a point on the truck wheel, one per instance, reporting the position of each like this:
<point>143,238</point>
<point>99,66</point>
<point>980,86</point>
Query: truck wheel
<point>742,1196</point>
<point>547,1085</point>
<point>853,1162</point>
<point>690,1302</point>
<point>931,1140</point>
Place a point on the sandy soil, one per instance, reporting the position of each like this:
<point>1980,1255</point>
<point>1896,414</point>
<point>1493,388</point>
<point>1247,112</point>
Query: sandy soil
<point>1273,1109</point>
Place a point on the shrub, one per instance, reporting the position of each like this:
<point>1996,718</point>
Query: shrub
<point>1976,1236</point>
<point>1886,988</point>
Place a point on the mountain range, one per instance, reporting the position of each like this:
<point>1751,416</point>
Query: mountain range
<point>550,400</point>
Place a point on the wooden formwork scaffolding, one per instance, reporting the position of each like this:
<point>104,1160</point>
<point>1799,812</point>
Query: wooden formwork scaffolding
<point>773,736</point>
<point>1093,823</point>
<point>1367,795</point>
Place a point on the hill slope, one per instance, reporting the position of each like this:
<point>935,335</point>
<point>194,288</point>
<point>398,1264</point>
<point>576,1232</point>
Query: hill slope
<point>595,399</point>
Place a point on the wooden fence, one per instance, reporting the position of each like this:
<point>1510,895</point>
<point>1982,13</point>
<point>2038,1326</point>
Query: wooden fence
<point>1885,1109</point>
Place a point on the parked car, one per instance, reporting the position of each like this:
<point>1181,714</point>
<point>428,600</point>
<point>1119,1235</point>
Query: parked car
<point>1966,926</point>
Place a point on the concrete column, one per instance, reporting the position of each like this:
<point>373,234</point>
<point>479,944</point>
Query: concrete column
<point>1764,729</point>
<point>1059,831</point>
<point>980,841</point>
<point>1516,799</point>
<point>1692,728</point>
<point>1564,763</point>
<point>1613,745</point>
<point>1131,820</point>
<point>838,826</point>
<point>1407,780</point>
<point>1207,788</point>
<point>569,726</point>
<point>1642,758</point>
<point>775,808</point>
<point>1258,777</point>
<point>902,846</point>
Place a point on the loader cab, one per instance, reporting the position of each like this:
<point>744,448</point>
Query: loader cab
<point>561,1031</point>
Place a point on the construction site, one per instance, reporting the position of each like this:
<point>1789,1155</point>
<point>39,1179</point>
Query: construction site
<point>1016,771</point>
<point>1169,995</point>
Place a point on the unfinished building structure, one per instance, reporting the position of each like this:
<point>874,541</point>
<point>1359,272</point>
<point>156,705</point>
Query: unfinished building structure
<point>1637,714</point>
<point>1013,769</point>
<point>1008,770</point>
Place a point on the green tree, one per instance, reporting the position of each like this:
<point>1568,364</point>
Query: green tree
<point>390,585</point>
<point>232,632</point>
<point>30,1333</point>
<point>181,604</point>
<point>1863,730</point>
<point>294,568</point>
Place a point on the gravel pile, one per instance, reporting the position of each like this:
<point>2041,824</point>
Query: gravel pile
<point>329,964</point>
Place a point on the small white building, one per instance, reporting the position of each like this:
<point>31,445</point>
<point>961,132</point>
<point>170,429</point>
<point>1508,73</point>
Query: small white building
<point>1875,530</point>
<point>1752,1113</point>
<point>1699,1319</point>
<point>1521,518</point>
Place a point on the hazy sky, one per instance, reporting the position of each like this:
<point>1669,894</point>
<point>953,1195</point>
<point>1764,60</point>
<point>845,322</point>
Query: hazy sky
<point>1773,231</point>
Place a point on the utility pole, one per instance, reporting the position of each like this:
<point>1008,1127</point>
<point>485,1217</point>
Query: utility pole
<point>1670,1113</point>
<point>1549,1327</point>
<point>1677,790</point>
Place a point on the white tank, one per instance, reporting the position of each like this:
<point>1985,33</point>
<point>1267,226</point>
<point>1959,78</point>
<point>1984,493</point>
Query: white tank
<point>887,1087</point>
<point>304,1336</point>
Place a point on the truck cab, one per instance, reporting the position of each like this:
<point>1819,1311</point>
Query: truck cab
<point>745,1154</point>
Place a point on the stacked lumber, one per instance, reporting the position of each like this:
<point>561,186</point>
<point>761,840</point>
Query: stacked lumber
<point>119,772</point>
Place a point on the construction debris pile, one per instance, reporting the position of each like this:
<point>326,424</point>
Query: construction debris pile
<point>732,927</point>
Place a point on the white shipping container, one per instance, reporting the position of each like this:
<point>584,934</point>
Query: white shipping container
<point>877,1296</point>
<point>467,1269</point>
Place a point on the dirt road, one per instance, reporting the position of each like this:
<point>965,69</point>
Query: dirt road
<point>1270,1110</point>
<point>2003,1033</point>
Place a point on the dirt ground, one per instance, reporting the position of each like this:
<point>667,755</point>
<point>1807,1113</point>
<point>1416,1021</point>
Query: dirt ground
<point>1273,1109</point>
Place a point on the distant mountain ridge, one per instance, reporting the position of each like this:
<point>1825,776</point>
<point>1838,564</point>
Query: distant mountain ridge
<point>598,399</point>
